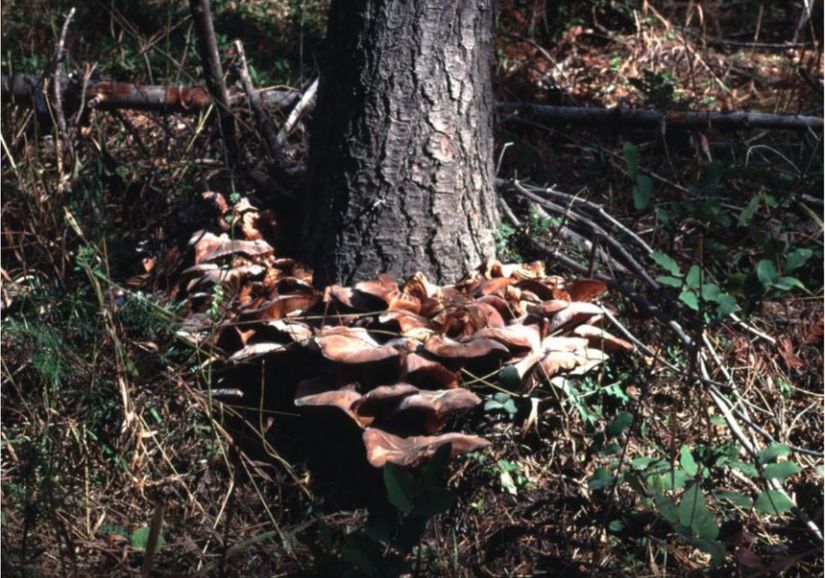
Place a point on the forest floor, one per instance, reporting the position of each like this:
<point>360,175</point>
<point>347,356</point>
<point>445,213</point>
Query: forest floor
<point>111,427</point>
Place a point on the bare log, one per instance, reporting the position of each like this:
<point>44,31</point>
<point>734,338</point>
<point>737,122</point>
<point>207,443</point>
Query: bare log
<point>124,95</point>
<point>657,118</point>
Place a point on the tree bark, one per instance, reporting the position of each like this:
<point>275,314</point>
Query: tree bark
<point>401,156</point>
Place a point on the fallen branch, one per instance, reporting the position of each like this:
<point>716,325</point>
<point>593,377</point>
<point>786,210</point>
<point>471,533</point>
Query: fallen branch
<point>191,99</point>
<point>306,101</point>
<point>657,118</point>
<point>26,89</point>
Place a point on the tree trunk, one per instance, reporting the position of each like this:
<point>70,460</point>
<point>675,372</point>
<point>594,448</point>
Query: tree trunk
<point>401,157</point>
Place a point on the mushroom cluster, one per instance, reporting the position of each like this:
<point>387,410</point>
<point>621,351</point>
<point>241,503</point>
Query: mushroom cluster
<point>397,359</point>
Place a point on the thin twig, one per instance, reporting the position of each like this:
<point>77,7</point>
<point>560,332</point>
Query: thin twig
<point>294,116</point>
<point>153,540</point>
<point>213,74</point>
<point>63,132</point>
<point>256,104</point>
<point>638,299</point>
<point>773,484</point>
<point>599,231</point>
<point>574,199</point>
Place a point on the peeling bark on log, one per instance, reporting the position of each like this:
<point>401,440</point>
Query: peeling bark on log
<point>146,97</point>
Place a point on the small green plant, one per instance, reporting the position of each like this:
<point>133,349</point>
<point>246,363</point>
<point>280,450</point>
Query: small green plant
<point>694,292</point>
<point>511,477</point>
<point>505,238</point>
<point>502,402</point>
<point>643,184</point>
<point>657,89</point>
<point>688,491</point>
<point>139,539</point>
<point>396,522</point>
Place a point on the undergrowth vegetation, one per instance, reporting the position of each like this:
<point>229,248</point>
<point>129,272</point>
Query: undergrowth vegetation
<point>124,450</point>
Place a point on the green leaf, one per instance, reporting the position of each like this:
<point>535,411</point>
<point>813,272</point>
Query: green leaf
<point>667,508</point>
<point>631,159</point>
<point>667,263</point>
<point>139,539</point>
<point>616,526</point>
<point>642,462</point>
<point>400,486</point>
<point>712,176</point>
<point>773,502</point>
<point>766,272</point>
<point>735,498</point>
<point>715,548</point>
<point>691,505</point>
<point>780,471</point>
<point>601,479</point>
<point>773,451</point>
<point>434,502</point>
<point>435,470</point>
<point>618,424</point>
<point>747,469</point>
<point>788,283</point>
<point>705,526</point>
<point>508,377</point>
<point>693,277</point>
<point>797,258</point>
<point>642,192</point>
<point>670,480</point>
<point>689,298</point>
<point>747,213</point>
<point>710,292</point>
<point>687,461</point>
<point>726,304</point>
<point>670,281</point>
<point>362,553</point>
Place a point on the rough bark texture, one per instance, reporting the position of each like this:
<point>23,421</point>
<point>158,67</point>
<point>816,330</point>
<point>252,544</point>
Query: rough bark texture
<point>401,159</point>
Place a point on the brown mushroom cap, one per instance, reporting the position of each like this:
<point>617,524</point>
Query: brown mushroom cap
<point>209,247</point>
<point>384,399</point>
<point>584,289</point>
<point>424,372</point>
<point>342,398</point>
<point>352,345</point>
<point>256,350</point>
<point>599,338</point>
<point>575,314</point>
<point>447,348</point>
<point>383,447</point>
<point>515,337</point>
